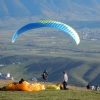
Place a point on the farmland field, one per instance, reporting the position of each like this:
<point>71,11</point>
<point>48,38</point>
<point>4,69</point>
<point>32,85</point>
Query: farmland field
<point>49,49</point>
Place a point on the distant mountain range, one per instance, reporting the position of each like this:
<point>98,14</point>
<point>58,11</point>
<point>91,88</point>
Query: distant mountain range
<point>51,9</point>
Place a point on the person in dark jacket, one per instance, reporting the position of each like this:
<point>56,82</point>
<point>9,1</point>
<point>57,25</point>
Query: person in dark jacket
<point>21,81</point>
<point>88,86</point>
<point>45,75</point>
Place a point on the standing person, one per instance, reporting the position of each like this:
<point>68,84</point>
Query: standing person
<point>88,86</point>
<point>45,75</point>
<point>65,80</point>
<point>92,87</point>
<point>97,88</point>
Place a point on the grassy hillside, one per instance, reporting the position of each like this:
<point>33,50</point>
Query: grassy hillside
<point>74,93</point>
<point>80,69</point>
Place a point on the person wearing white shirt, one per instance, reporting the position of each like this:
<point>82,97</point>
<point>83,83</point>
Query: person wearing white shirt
<point>65,80</point>
<point>92,87</point>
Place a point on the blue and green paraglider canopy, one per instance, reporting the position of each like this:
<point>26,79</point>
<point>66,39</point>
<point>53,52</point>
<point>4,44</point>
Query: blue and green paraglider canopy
<point>48,23</point>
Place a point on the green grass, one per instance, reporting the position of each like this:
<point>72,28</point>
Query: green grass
<point>74,93</point>
<point>50,95</point>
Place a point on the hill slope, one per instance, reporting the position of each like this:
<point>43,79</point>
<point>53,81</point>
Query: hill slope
<point>60,9</point>
<point>78,70</point>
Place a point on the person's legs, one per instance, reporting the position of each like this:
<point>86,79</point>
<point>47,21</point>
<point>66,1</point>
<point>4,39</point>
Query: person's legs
<point>64,85</point>
<point>46,79</point>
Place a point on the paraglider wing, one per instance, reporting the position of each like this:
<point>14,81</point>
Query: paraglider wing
<point>48,23</point>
